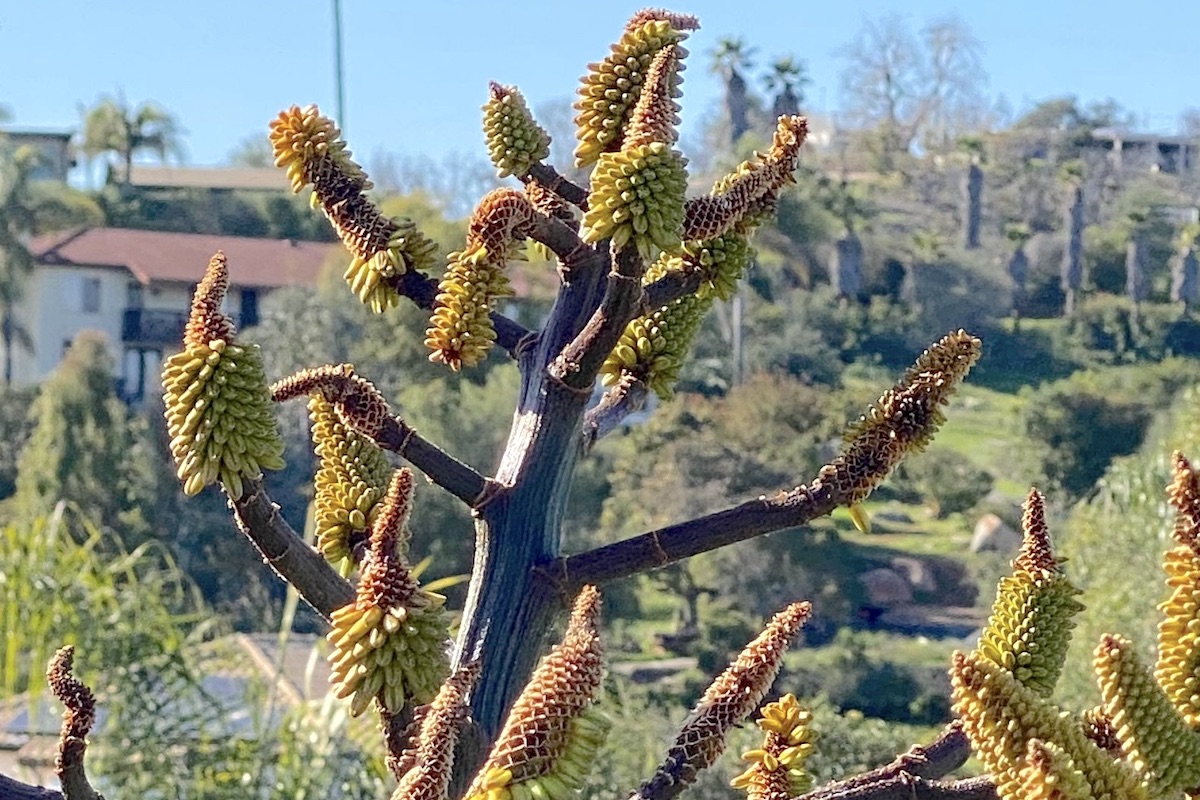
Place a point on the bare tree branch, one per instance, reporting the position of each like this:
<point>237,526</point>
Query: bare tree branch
<point>904,786</point>
<point>11,789</point>
<point>286,553</point>
<point>943,755</point>
<point>443,469</point>
<point>627,397</point>
<point>580,360</point>
<point>676,542</point>
<point>550,179</point>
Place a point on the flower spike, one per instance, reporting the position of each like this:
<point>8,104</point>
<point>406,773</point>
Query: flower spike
<point>1153,737</point>
<point>389,642</point>
<point>777,768</point>
<point>309,146</point>
<point>515,141</point>
<point>729,699</point>
<point>613,86</point>
<point>358,404</point>
<point>428,777</point>
<point>215,398</point>
<point>1030,626</point>
<point>903,420</point>
<point>1178,667</point>
<point>553,731</point>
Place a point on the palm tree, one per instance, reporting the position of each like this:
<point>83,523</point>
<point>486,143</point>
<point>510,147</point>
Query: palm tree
<point>730,58</point>
<point>785,82</point>
<point>112,127</point>
<point>16,262</point>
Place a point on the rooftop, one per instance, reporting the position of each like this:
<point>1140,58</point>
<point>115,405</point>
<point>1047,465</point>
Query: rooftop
<point>157,256</point>
<point>268,179</point>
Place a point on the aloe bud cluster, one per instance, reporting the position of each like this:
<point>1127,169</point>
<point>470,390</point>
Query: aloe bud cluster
<point>461,331</point>
<point>351,479</point>
<point>215,398</point>
<point>515,142</point>
<point>612,87</point>
<point>1033,615</point>
<point>389,643</point>
<point>638,192</point>
<point>777,768</point>
<point>548,743</point>
<point>309,146</point>
<point>652,348</point>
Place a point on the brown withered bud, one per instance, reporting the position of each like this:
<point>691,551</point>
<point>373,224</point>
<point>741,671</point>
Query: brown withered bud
<point>359,405</point>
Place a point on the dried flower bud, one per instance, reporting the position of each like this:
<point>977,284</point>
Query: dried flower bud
<point>552,733</point>
<point>358,404</point>
<point>729,699</point>
<point>428,777</point>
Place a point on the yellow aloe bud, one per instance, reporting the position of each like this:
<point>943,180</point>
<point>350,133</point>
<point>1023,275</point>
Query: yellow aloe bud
<point>356,401</point>
<point>1153,737</point>
<point>428,777</point>
<point>1000,715</point>
<point>351,478</point>
<point>777,768</point>
<point>746,197</point>
<point>460,329</point>
<point>1050,774</point>
<point>1178,666</point>
<point>653,348</point>
<point>515,141</point>
<point>903,420</point>
<point>552,732</point>
<point>310,147</point>
<point>637,196</point>
<point>613,87</point>
<point>215,398</point>
<point>729,699</point>
<point>389,643</point>
<point>1033,615</point>
<point>638,192</point>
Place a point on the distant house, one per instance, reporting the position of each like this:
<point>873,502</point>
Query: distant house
<point>1148,152</point>
<point>53,146</point>
<point>135,287</point>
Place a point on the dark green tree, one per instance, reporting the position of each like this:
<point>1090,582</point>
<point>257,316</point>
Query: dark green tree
<point>113,127</point>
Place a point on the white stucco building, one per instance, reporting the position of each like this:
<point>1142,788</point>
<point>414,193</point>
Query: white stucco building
<point>135,287</point>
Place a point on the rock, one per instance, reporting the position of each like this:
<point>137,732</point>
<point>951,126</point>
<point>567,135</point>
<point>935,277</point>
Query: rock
<point>893,516</point>
<point>917,572</point>
<point>992,535</point>
<point>886,588</point>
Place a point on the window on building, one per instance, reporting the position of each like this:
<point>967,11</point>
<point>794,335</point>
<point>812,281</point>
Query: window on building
<point>91,295</point>
<point>134,299</point>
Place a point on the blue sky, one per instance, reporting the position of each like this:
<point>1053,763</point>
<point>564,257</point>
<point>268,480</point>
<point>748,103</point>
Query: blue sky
<point>417,73</point>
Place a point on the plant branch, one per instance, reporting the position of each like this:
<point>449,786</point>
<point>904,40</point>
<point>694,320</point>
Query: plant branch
<point>422,290</point>
<point>12,789</point>
<point>581,360</point>
<point>943,755</point>
<point>905,786</point>
<point>562,239</point>
<point>443,469</point>
<point>79,714</point>
<point>627,397</point>
<point>672,286</point>
<point>676,542</point>
<point>287,554</point>
<point>551,180</point>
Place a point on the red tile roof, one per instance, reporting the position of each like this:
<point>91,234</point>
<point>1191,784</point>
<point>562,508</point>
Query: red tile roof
<point>153,256</point>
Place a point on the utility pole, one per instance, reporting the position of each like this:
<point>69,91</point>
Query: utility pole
<point>337,58</point>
